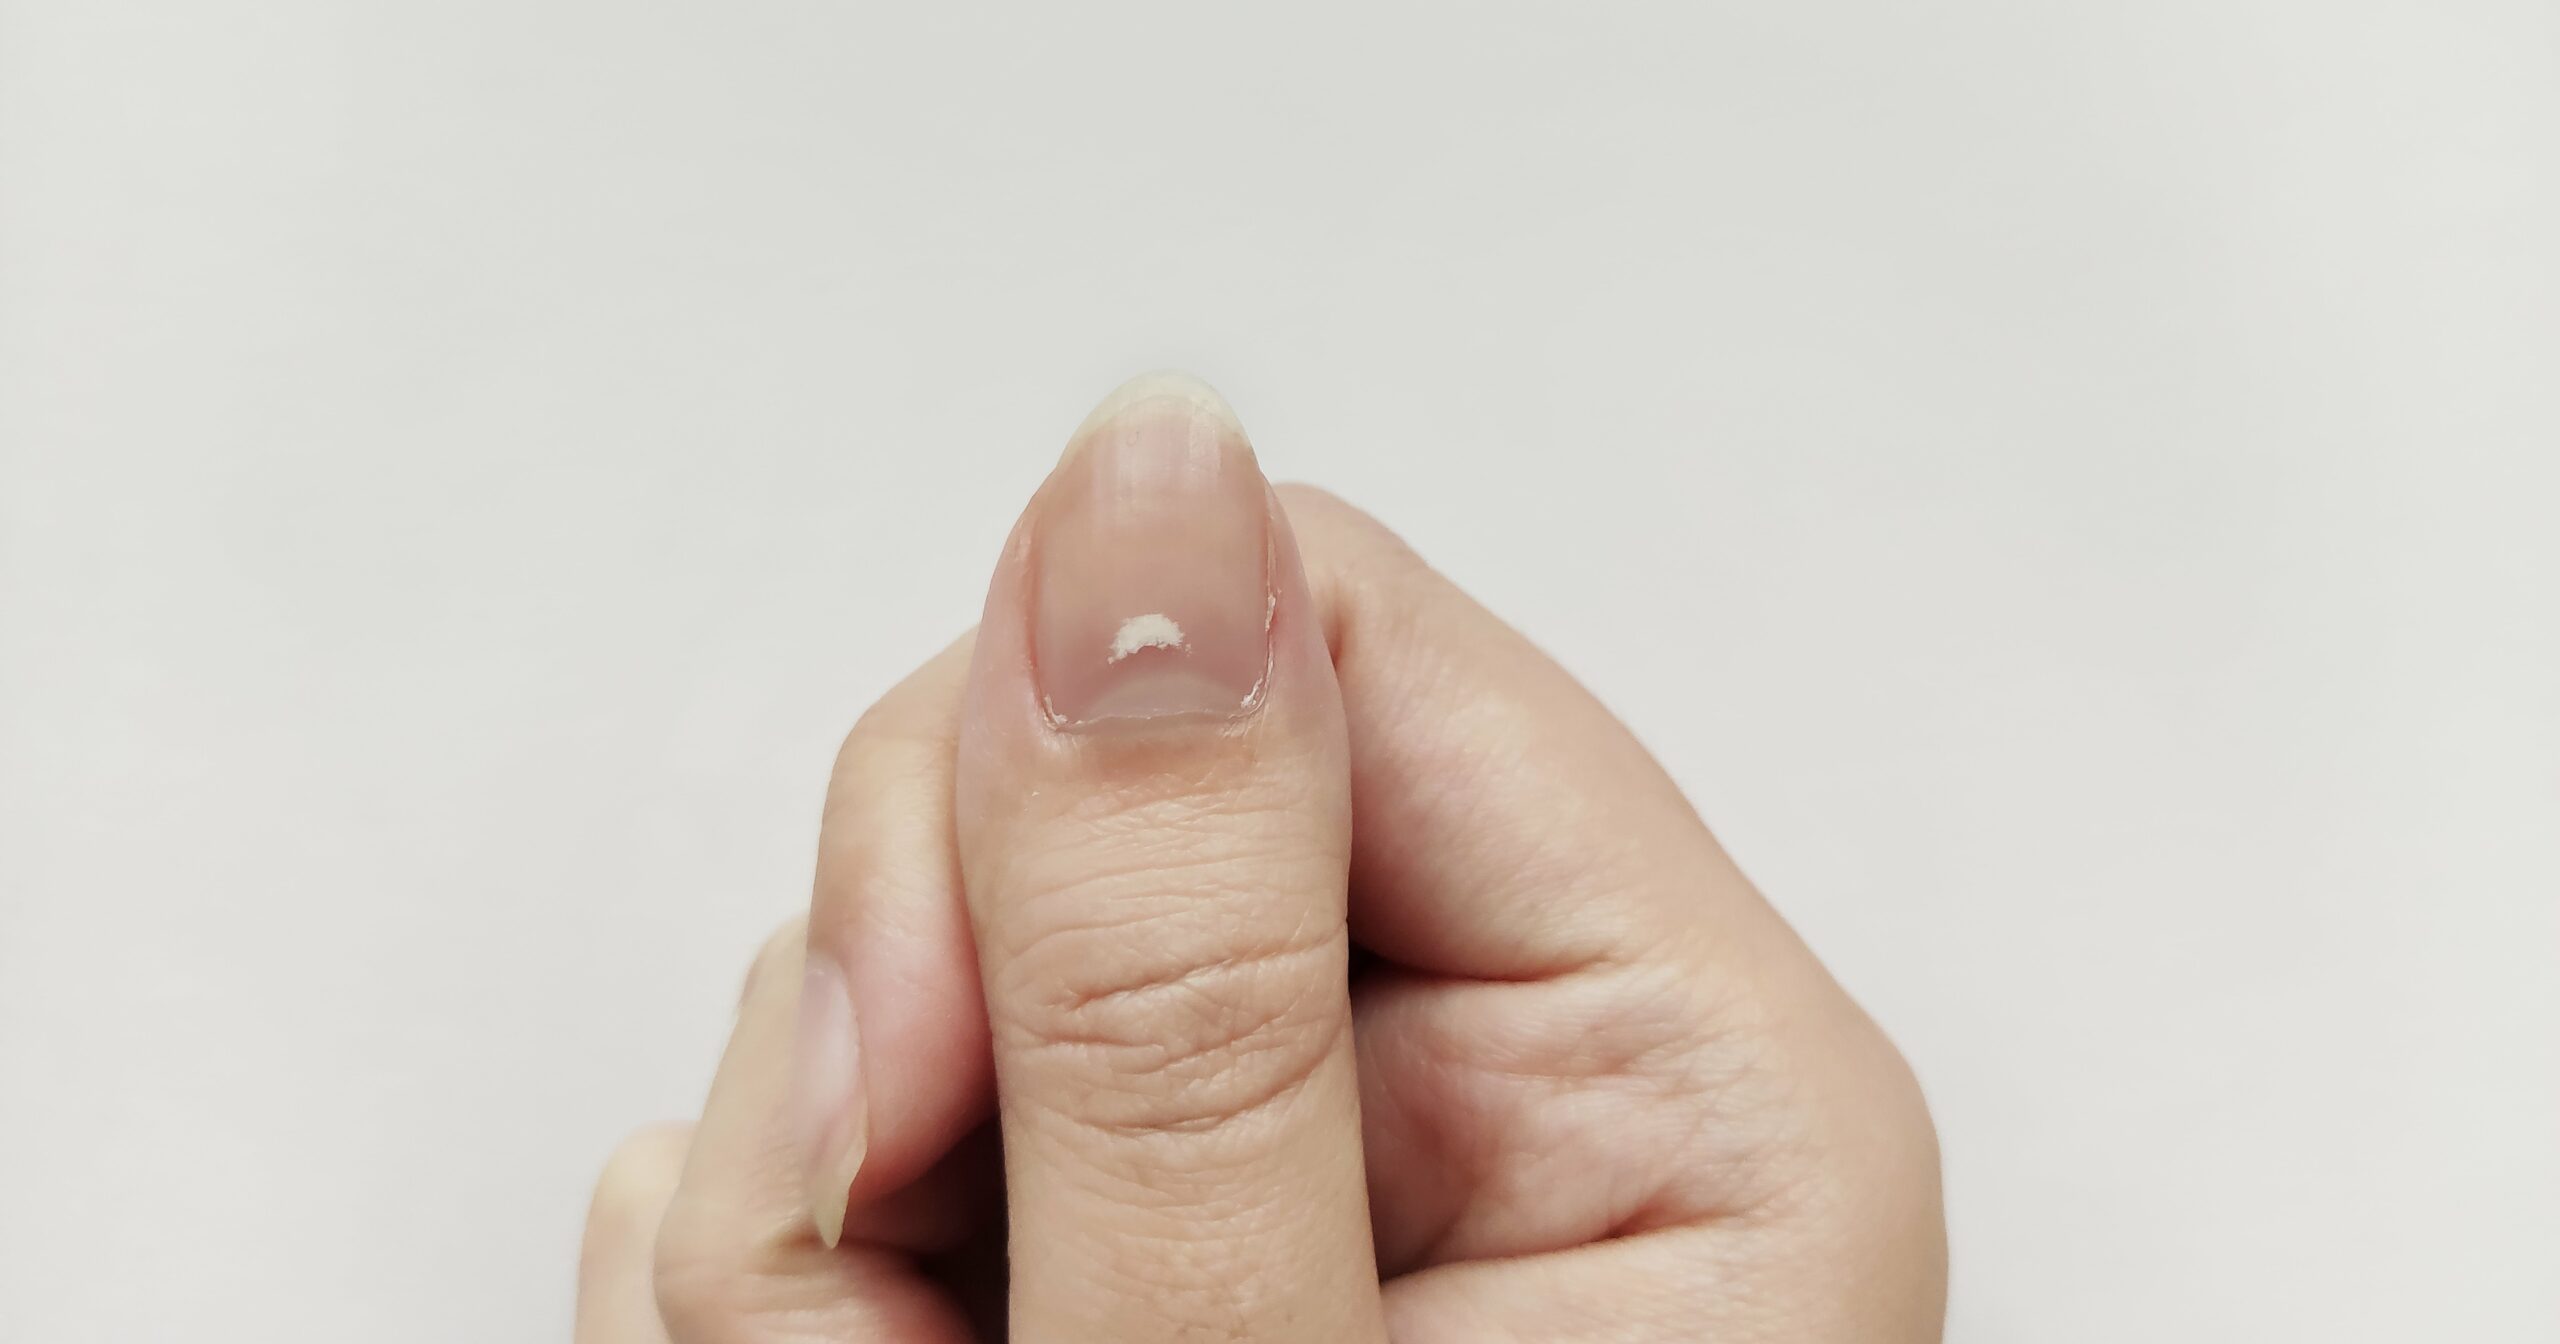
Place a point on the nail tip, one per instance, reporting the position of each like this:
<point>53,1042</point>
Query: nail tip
<point>1158,385</point>
<point>828,1202</point>
<point>826,1214</point>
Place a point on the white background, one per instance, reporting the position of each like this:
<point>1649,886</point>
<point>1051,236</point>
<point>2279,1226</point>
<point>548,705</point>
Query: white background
<point>2069,489</point>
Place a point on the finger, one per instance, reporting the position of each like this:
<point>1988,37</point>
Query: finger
<point>892,1044</point>
<point>1688,1284</point>
<point>1660,1288</point>
<point>1510,827</point>
<point>1580,980</point>
<point>1644,1289</point>
<point>1153,814</point>
<point>617,1303</point>
<point>736,1259</point>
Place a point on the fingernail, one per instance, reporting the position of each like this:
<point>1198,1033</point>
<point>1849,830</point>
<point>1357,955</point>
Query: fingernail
<point>827,1093</point>
<point>1152,563</point>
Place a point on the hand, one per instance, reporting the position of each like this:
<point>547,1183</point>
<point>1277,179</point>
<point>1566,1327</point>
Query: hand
<point>1335,968</point>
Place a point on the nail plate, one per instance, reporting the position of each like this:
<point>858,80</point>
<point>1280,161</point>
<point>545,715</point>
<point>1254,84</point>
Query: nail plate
<point>1152,555</point>
<point>828,1098</point>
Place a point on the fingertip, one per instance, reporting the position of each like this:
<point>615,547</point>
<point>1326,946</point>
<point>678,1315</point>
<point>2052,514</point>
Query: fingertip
<point>888,929</point>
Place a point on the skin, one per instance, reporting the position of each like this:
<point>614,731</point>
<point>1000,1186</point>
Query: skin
<point>1411,1002</point>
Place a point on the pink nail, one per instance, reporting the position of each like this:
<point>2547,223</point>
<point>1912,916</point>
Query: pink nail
<point>827,1100</point>
<point>1152,564</point>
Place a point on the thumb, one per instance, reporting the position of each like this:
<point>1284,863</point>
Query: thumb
<point>1153,812</point>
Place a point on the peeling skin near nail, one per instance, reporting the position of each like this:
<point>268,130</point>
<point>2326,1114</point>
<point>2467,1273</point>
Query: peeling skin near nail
<point>1154,630</point>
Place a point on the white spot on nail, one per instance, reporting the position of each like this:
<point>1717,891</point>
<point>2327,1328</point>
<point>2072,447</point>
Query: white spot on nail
<point>1155,630</point>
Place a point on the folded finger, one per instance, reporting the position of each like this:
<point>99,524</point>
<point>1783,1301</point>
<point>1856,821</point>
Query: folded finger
<point>892,1060</point>
<point>1574,966</point>
<point>617,1300</point>
<point>736,1260</point>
